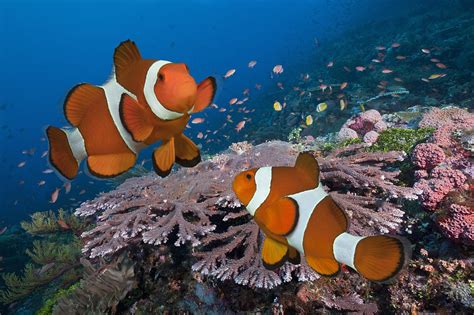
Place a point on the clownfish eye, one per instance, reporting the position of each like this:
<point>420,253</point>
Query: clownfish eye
<point>248,176</point>
<point>161,77</point>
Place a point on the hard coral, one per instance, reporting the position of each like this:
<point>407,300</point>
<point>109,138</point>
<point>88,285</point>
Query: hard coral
<point>458,224</point>
<point>427,155</point>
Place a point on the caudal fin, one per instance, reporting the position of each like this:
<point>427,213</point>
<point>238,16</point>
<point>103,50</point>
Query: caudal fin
<point>61,156</point>
<point>378,258</point>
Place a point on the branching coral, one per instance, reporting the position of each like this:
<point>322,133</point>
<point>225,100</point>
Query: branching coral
<point>198,203</point>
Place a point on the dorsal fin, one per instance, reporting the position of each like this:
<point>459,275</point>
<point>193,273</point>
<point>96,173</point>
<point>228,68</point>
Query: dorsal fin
<point>308,164</point>
<point>125,54</point>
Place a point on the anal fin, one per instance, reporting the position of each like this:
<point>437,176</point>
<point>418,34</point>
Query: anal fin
<point>110,165</point>
<point>328,267</point>
<point>274,254</point>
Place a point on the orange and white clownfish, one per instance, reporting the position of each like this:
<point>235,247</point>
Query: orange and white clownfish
<point>143,102</point>
<point>298,217</point>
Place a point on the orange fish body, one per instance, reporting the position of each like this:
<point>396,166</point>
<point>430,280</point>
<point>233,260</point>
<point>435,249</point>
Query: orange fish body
<point>298,217</point>
<point>143,102</point>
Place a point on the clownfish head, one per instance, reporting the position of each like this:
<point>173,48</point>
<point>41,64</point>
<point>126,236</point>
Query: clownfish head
<point>244,186</point>
<point>175,88</point>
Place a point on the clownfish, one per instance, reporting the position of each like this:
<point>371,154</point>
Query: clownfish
<point>298,217</point>
<point>143,102</point>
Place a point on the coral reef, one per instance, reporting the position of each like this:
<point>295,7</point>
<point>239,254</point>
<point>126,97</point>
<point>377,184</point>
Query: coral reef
<point>198,203</point>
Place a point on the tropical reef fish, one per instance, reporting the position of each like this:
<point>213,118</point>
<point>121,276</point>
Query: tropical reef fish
<point>143,102</point>
<point>298,218</point>
<point>229,73</point>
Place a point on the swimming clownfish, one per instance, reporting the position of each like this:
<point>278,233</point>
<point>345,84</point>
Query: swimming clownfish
<point>298,217</point>
<point>143,102</point>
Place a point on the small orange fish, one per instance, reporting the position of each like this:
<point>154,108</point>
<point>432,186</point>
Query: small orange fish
<point>233,101</point>
<point>441,65</point>
<point>54,195</point>
<point>399,57</point>
<point>398,79</point>
<point>425,50</point>
<point>330,64</point>
<point>200,135</point>
<point>395,45</point>
<point>240,125</point>
<point>380,47</point>
<point>360,68</point>
<point>252,64</point>
<point>386,71</point>
<point>63,224</point>
<point>435,60</point>
<point>21,164</point>
<point>41,183</point>
<point>197,120</point>
<point>343,85</point>
<point>229,73</point>
<point>376,60</point>
<point>278,69</point>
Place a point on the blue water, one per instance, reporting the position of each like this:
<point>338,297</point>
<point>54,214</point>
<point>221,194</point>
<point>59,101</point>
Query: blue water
<point>49,46</point>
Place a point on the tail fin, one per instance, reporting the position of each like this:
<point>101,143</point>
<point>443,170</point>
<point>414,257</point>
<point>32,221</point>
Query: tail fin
<point>378,258</point>
<point>61,154</point>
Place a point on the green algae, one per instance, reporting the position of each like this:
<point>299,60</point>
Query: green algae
<point>49,304</point>
<point>399,139</point>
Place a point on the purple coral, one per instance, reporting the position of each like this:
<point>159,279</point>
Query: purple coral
<point>200,205</point>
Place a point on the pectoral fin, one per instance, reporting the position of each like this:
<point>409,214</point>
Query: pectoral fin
<point>164,157</point>
<point>205,94</point>
<point>134,118</point>
<point>274,254</point>
<point>280,217</point>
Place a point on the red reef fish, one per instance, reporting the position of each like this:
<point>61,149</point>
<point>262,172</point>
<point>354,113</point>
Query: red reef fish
<point>144,101</point>
<point>298,217</point>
